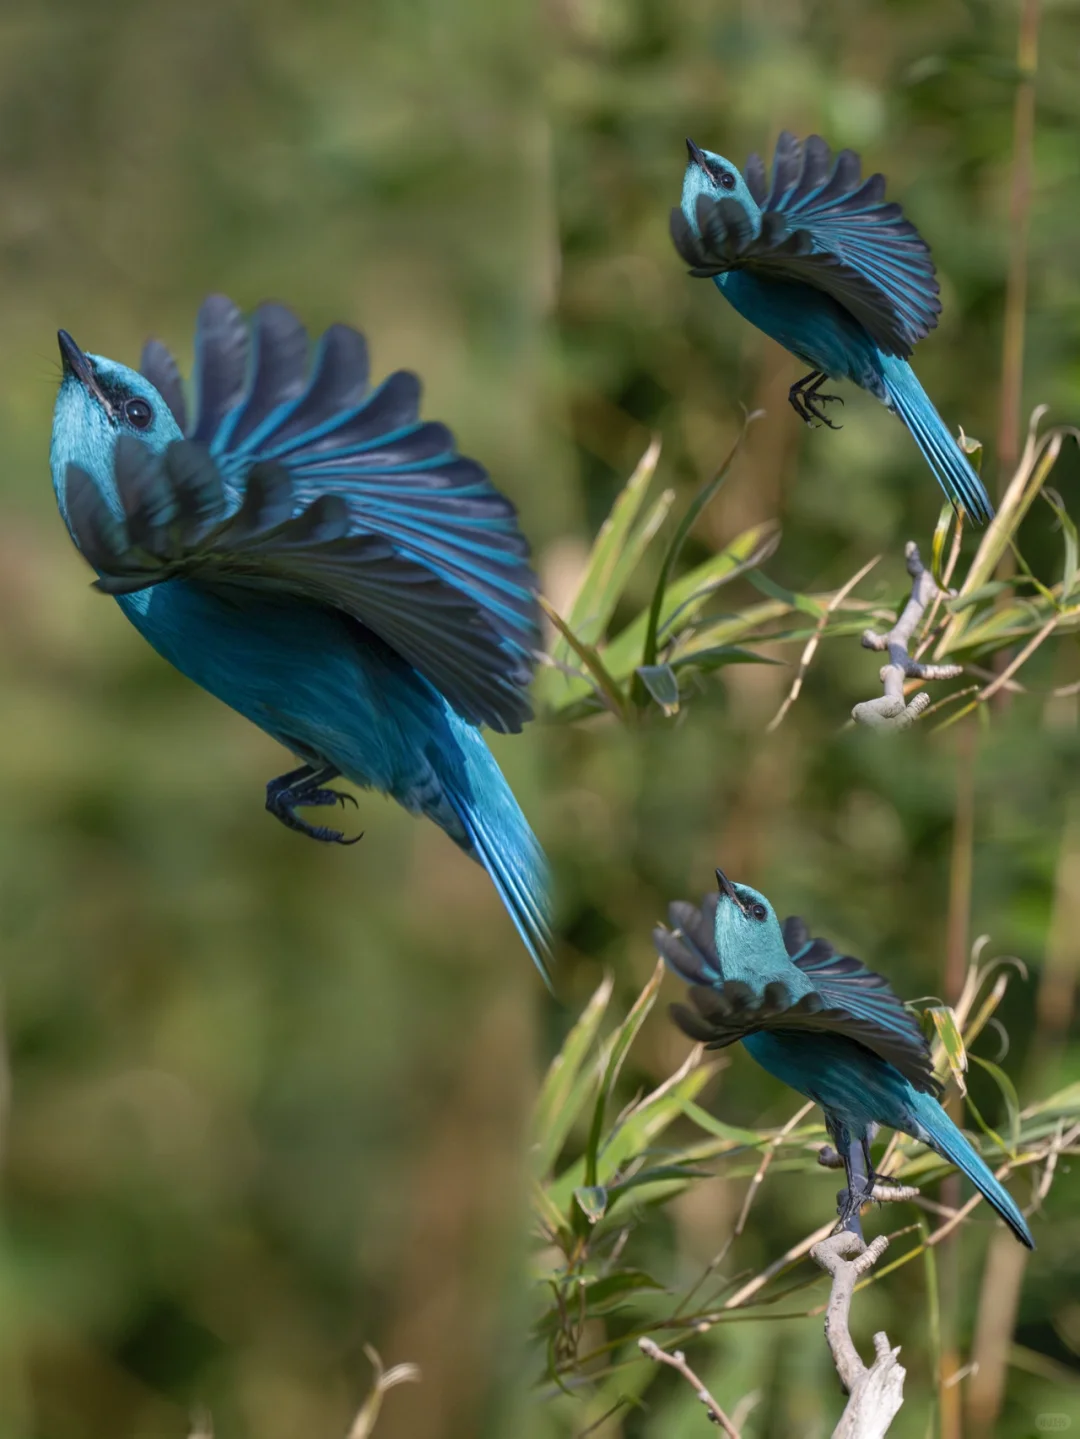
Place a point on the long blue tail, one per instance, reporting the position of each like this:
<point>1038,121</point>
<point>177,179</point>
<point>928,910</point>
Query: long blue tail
<point>941,452</point>
<point>501,840</point>
<point>943,1136</point>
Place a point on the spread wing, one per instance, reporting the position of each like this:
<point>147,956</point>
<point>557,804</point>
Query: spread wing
<point>826,226</point>
<point>848,998</point>
<point>261,400</point>
<point>180,519</point>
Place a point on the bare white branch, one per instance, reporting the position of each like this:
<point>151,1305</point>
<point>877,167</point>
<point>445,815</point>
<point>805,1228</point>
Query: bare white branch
<point>892,710</point>
<point>878,1392</point>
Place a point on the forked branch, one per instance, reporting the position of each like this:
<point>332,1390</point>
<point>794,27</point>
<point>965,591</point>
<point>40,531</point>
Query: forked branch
<point>891,710</point>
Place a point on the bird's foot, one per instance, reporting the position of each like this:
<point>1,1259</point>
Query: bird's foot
<point>806,400</point>
<point>849,1206</point>
<point>813,403</point>
<point>305,788</point>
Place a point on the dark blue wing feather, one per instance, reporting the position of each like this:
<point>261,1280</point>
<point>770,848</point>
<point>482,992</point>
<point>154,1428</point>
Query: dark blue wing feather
<point>221,365</point>
<point>850,218</point>
<point>847,999</point>
<point>158,366</point>
<point>726,239</point>
<point>180,521</point>
<point>400,477</point>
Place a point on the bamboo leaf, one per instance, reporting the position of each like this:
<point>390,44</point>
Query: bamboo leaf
<point>952,1042</point>
<point>606,686</point>
<point>1008,1093</point>
<point>621,1041</point>
<point>686,524</point>
<point>661,686</point>
<point>592,1200</point>
<point>769,587</point>
<point>561,1099</point>
<point>616,550</point>
<point>708,660</point>
<point>937,548</point>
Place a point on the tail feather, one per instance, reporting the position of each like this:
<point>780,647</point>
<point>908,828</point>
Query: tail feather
<point>944,456</point>
<point>499,837</point>
<point>943,1136</point>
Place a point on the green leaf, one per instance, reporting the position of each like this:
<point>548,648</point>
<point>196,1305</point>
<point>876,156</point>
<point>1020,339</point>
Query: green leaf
<point>1062,1101</point>
<point>937,547</point>
<point>719,655</point>
<point>1010,1096</point>
<point>975,597</point>
<point>1068,530</point>
<point>769,587</point>
<point>686,524</point>
<point>662,686</point>
<point>738,1138</point>
<point>952,1042</point>
<point>601,1293</point>
<point>561,1097</point>
<point>634,1134</point>
<point>616,551</point>
<point>657,1174</point>
<point>686,596</point>
<point>592,1200</point>
<point>606,686</point>
<point>620,1044</point>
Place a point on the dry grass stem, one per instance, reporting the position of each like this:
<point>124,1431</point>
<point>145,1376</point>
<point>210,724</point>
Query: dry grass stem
<point>814,640</point>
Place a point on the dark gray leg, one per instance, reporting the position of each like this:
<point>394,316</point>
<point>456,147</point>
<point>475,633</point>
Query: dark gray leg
<point>860,1178</point>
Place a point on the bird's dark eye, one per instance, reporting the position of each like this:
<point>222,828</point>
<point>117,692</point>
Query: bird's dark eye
<point>138,414</point>
<point>724,178</point>
<point>759,911</point>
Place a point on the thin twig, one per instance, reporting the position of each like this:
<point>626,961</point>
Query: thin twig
<point>1020,659</point>
<point>814,640</point>
<point>766,1159</point>
<point>677,1361</point>
<point>892,710</point>
<point>385,1380</point>
<point>928,634</point>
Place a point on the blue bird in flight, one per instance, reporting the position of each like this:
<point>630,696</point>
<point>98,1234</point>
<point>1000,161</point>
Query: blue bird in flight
<point>822,1023</point>
<point>311,552</point>
<point>819,261</point>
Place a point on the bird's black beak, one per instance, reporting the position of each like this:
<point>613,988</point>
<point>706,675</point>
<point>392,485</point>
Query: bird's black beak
<point>697,157</point>
<point>728,890</point>
<point>76,363</point>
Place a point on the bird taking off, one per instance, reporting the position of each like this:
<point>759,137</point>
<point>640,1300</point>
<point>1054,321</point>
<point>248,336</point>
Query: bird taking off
<point>823,264</point>
<point>310,551</point>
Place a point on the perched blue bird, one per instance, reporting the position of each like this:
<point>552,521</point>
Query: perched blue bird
<point>822,1023</point>
<point>820,262</point>
<point>312,553</point>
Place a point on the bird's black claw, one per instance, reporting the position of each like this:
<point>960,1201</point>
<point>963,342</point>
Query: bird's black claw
<point>305,788</point>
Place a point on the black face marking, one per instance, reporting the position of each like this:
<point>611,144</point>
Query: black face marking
<point>724,178</point>
<point>138,413</point>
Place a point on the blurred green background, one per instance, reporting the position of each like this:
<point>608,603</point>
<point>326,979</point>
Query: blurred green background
<point>269,1102</point>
